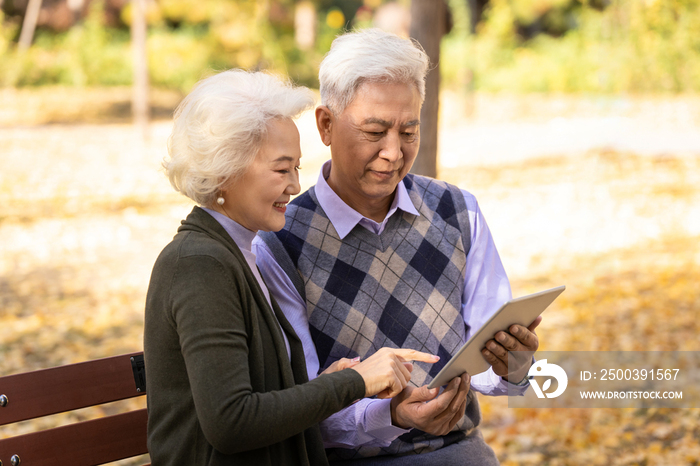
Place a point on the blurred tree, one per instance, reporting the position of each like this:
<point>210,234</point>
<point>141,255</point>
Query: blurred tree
<point>305,19</point>
<point>476,11</point>
<point>347,7</point>
<point>516,45</point>
<point>139,102</point>
<point>29,24</point>
<point>61,15</point>
<point>392,17</point>
<point>429,22</point>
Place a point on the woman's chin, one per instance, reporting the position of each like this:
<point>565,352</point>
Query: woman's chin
<point>273,226</point>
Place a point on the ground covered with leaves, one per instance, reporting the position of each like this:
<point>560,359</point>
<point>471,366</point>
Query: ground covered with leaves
<point>84,211</point>
<point>620,230</point>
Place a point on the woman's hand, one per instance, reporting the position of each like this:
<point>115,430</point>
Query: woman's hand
<point>342,363</point>
<point>388,371</point>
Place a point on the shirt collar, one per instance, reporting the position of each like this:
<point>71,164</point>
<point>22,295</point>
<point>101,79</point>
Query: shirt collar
<point>343,217</point>
<point>240,235</point>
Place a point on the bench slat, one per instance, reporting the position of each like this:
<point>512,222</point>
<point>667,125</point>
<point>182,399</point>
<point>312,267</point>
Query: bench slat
<point>65,388</point>
<point>84,443</point>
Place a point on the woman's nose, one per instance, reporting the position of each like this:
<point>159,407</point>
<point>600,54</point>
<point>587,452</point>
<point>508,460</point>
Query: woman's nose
<point>294,186</point>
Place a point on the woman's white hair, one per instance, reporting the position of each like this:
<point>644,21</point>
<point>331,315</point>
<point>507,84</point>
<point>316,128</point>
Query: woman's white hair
<point>370,55</point>
<point>220,126</point>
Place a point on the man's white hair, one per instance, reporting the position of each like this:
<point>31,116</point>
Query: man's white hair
<point>370,55</point>
<point>220,126</point>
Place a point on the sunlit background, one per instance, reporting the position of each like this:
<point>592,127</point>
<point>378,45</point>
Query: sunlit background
<point>576,123</point>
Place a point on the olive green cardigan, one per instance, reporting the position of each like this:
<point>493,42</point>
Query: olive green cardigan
<point>221,389</point>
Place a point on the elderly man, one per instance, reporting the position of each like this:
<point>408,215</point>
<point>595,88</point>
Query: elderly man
<point>373,256</point>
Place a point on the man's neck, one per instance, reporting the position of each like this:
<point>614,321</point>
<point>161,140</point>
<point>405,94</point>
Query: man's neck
<point>373,208</point>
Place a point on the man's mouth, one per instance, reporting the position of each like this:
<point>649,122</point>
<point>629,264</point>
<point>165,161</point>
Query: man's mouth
<point>279,205</point>
<point>384,174</point>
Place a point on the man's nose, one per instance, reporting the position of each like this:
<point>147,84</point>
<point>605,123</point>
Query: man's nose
<point>392,148</point>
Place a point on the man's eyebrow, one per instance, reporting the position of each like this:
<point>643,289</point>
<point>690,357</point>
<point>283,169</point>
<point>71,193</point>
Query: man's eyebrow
<point>378,121</point>
<point>386,123</point>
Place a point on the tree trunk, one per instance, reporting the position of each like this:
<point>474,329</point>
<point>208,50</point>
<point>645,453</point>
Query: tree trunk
<point>29,24</point>
<point>428,27</point>
<point>139,103</point>
<point>305,25</point>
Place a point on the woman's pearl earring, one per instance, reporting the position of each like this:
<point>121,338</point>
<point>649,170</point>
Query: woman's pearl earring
<point>220,200</point>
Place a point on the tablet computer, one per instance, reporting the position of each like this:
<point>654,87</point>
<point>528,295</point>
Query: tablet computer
<point>522,311</point>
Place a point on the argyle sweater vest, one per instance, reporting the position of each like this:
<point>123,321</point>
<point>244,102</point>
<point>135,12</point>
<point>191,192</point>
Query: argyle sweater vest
<point>401,289</point>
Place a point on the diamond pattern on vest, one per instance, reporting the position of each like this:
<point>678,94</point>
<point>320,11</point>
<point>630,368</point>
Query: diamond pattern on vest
<point>402,288</point>
<point>399,289</point>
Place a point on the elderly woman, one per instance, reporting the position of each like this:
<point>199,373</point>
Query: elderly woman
<point>227,381</point>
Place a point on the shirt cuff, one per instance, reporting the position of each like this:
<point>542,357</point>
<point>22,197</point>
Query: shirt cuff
<point>519,388</point>
<point>523,383</point>
<point>378,421</point>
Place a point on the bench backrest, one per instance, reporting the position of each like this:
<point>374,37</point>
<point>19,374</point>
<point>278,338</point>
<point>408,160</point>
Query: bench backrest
<point>60,389</point>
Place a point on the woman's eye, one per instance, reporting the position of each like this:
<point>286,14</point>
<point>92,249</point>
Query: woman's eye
<point>285,171</point>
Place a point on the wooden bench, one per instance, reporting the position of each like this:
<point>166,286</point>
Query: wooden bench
<point>66,388</point>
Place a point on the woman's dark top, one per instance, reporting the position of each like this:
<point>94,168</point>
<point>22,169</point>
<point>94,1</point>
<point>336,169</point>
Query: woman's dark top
<point>221,389</point>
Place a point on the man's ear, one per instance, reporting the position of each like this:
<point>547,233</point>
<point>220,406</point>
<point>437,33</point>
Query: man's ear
<point>324,122</point>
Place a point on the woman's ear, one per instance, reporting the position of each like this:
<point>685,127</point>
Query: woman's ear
<point>324,123</point>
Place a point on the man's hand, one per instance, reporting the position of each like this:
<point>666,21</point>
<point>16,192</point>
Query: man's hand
<point>523,341</point>
<point>423,409</point>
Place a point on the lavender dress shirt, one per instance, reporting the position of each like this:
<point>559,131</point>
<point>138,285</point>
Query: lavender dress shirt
<point>486,288</point>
